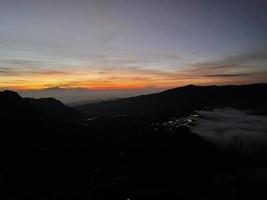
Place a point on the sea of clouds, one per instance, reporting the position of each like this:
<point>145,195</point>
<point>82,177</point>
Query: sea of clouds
<point>230,128</point>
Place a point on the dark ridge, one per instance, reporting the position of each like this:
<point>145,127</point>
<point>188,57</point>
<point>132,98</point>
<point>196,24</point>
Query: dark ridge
<point>13,107</point>
<point>10,95</point>
<point>121,157</point>
<point>29,111</point>
<point>55,109</point>
<point>183,100</point>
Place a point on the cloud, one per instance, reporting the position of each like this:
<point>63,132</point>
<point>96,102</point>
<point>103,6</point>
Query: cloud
<point>14,62</point>
<point>226,127</point>
<point>123,72</point>
<point>235,62</point>
<point>236,68</point>
<point>260,55</point>
<point>226,75</point>
<point>171,56</point>
<point>53,72</point>
<point>8,71</point>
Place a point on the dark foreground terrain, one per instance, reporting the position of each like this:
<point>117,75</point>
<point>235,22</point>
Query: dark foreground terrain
<point>132,148</point>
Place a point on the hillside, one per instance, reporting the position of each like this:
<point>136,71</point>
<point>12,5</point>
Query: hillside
<point>183,100</point>
<point>56,110</point>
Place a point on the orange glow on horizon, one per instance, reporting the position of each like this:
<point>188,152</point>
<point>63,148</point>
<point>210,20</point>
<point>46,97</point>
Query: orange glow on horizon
<point>121,80</point>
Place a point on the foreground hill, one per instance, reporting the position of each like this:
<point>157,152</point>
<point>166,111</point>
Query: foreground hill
<point>183,100</point>
<point>43,158</point>
<point>28,110</point>
<point>15,109</point>
<point>34,121</point>
<point>55,109</point>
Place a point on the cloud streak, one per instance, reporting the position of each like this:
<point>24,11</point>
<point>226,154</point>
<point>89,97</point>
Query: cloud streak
<point>248,61</point>
<point>7,71</point>
<point>119,72</point>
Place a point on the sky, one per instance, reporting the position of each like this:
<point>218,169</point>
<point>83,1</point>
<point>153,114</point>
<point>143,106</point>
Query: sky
<point>131,44</point>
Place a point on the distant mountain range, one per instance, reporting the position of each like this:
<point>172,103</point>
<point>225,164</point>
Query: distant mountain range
<point>183,100</point>
<point>79,95</point>
<point>84,102</point>
<point>175,102</point>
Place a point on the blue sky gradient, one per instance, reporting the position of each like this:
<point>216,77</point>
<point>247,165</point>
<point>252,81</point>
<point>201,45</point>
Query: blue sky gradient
<point>111,44</point>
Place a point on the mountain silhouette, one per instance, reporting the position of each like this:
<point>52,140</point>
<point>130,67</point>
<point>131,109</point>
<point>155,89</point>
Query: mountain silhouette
<point>183,100</point>
<point>46,153</point>
<point>35,121</point>
<point>14,108</point>
<point>55,109</point>
<point>28,110</point>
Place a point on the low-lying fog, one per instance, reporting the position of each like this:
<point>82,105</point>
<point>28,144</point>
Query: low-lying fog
<point>229,128</point>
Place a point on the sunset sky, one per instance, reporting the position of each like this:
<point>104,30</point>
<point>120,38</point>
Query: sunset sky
<point>129,44</point>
